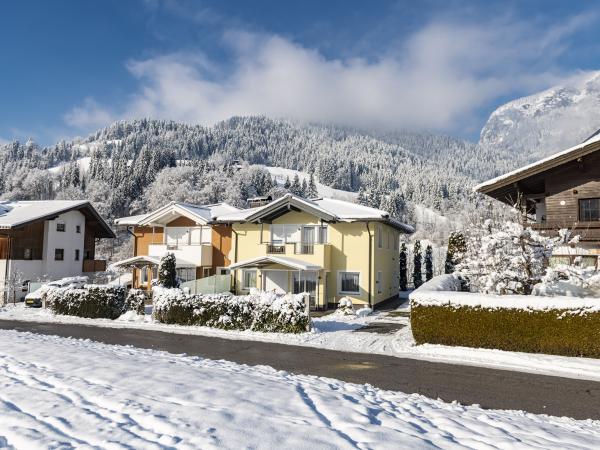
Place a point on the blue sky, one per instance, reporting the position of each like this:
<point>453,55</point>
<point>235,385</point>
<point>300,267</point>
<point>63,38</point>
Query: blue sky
<point>70,67</point>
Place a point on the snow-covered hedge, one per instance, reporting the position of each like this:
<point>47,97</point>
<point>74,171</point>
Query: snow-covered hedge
<point>258,311</point>
<point>441,314</point>
<point>135,301</point>
<point>93,301</point>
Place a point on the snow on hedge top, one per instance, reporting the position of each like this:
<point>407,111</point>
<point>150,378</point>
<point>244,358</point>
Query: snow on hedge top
<point>445,290</point>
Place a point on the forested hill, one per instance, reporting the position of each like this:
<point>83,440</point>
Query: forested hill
<point>135,164</point>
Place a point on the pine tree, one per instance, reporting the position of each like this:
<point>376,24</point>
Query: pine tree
<point>296,187</point>
<point>287,183</point>
<point>428,263</point>
<point>304,188</point>
<point>403,271</point>
<point>167,276</point>
<point>457,246</point>
<point>312,187</point>
<point>417,258</point>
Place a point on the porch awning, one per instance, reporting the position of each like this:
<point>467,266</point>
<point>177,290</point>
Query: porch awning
<point>144,260</point>
<point>261,261</point>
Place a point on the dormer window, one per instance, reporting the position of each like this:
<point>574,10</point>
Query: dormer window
<point>61,227</point>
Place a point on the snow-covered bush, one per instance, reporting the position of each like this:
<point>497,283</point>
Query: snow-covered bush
<point>345,307</point>
<point>93,301</point>
<point>266,312</point>
<point>167,275</point>
<point>505,258</point>
<point>570,281</point>
<point>135,301</point>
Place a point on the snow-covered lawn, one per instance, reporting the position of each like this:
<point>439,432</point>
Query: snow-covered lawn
<point>338,332</point>
<point>65,393</point>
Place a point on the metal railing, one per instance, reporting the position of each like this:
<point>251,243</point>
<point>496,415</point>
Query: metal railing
<point>304,249</point>
<point>276,249</point>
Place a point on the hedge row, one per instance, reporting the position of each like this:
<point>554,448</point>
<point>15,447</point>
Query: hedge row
<point>568,332</point>
<point>260,312</point>
<point>94,301</point>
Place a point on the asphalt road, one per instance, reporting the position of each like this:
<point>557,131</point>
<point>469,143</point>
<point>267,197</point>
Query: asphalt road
<point>490,388</point>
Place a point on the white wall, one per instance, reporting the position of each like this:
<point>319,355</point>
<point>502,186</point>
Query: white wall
<point>69,240</point>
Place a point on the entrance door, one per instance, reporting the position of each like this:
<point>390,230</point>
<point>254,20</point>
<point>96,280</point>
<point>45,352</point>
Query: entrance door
<point>276,281</point>
<point>306,282</point>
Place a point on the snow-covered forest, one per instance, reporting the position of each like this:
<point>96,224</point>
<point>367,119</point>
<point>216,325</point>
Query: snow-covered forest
<point>132,164</point>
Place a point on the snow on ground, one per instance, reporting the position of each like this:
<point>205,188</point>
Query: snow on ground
<point>280,174</point>
<point>338,332</point>
<point>66,393</point>
<point>84,165</point>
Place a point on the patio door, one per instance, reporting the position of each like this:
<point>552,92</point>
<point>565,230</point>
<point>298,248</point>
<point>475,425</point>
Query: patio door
<point>307,240</point>
<point>276,281</point>
<point>306,282</point>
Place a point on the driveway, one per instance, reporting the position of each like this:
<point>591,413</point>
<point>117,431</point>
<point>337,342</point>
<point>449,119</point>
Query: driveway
<point>490,388</point>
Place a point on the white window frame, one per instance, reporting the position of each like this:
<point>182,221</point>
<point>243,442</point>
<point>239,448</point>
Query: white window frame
<point>379,232</point>
<point>339,280</point>
<point>64,227</point>
<point>244,272</point>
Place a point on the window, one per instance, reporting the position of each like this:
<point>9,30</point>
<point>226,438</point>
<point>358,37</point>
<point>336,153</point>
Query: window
<point>27,253</point>
<point>285,234</point>
<point>76,254</point>
<point>78,229</point>
<point>177,236</point>
<point>223,271</point>
<point>323,234</point>
<point>249,278</point>
<point>186,274</point>
<point>61,227</point>
<point>395,241</point>
<point>206,272</point>
<point>59,254</point>
<point>349,282</point>
<point>589,209</point>
<point>559,260</point>
<point>379,282</point>
<point>379,232</point>
<point>589,261</point>
<point>387,234</point>
<point>196,236</point>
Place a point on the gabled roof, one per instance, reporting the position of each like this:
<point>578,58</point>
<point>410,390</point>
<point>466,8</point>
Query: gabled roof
<point>201,214</point>
<point>590,145</point>
<point>327,209</point>
<point>15,214</point>
<point>265,260</point>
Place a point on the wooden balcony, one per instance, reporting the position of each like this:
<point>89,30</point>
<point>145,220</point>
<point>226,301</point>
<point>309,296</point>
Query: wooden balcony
<point>94,265</point>
<point>588,231</point>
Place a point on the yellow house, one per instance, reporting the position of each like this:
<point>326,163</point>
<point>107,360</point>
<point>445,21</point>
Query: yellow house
<point>325,247</point>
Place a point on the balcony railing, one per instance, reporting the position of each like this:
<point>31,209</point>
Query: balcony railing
<point>276,249</point>
<point>304,249</point>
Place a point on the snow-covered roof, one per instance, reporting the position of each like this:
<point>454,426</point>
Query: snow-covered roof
<point>588,146</point>
<point>201,214</point>
<point>141,260</point>
<point>287,262</point>
<point>325,208</point>
<point>15,214</point>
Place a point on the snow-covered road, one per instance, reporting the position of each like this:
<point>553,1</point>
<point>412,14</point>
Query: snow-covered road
<point>337,332</point>
<point>66,393</point>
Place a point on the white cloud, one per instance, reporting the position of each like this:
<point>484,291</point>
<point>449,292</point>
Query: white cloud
<point>439,78</point>
<point>88,115</point>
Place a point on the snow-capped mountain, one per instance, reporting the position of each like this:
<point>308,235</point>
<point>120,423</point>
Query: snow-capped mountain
<point>536,126</point>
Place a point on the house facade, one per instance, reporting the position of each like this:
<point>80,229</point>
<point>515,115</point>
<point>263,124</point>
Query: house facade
<point>201,248</point>
<point>48,240</point>
<point>559,192</point>
<point>328,248</point>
